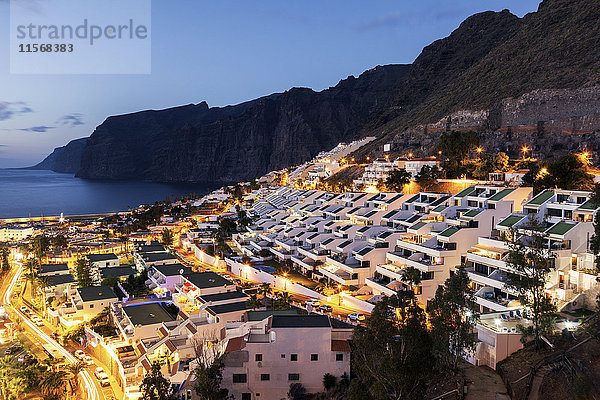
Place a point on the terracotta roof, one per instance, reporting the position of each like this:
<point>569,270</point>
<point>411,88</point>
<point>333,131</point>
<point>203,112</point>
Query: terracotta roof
<point>140,347</point>
<point>170,345</point>
<point>340,346</point>
<point>146,364</point>
<point>190,327</point>
<point>162,332</point>
<point>183,315</point>
<point>235,344</point>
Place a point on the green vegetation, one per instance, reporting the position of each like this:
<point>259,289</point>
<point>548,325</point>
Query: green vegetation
<point>428,177</point>
<point>456,146</point>
<point>389,351</point>
<point>532,262</point>
<point>166,237</point>
<point>83,272</point>
<point>396,179</point>
<point>155,386</point>
<point>568,172</point>
<point>453,315</point>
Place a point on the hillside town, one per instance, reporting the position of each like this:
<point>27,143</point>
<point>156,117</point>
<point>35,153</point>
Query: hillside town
<point>302,284</point>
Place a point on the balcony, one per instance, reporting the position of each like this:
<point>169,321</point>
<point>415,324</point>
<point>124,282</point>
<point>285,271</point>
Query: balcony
<point>306,262</point>
<point>383,286</point>
<point>338,275</point>
<point>346,262</point>
<point>417,260</point>
<point>496,279</point>
<point>490,298</point>
<point>392,271</point>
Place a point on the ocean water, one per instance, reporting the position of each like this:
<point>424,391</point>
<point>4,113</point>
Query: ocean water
<point>25,193</point>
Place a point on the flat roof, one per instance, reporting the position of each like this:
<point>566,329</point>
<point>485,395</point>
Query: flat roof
<point>417,226</point>
<point>101,257</point>
<point>300,321</point>
<point>55,280</point>
<point>207,279</point>
<point>47,268</point>
<point>227,308</point>
<point>173,269</point>
<point>158,256</point>
<point>222,296</point>
<point>93,293</point>
<point>588,206</point>
<point>147,314</point>
<point>123,270</point>
<point>260,315</point>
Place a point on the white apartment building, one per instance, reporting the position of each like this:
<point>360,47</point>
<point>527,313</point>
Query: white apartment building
<point>264,357</point>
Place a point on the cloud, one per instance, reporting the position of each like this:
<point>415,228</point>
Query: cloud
<point>385,20</point>
<point>38,129</point>
<point>71,120</point>
<point>399,18</point>
<point>10,110</point>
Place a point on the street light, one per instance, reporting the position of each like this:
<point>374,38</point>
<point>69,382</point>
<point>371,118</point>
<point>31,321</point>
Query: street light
<point>524,150</point>
<point>285,281</point>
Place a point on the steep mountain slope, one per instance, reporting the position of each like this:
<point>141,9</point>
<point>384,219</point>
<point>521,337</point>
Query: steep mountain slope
<point>533,80</point>
<point>65,159</point>
<point>196,143</point>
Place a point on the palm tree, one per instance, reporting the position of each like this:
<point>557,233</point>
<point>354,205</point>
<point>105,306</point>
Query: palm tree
<point>6,372</point>
<point>74,370</point>
<point>54,383</point>
<point>253,302</point>
<point>42,283</point>
<point>123,239</point>
<point>265,289</point>
<point>284,299</point>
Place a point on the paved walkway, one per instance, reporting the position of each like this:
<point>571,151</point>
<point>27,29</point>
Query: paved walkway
<point>484,384</point>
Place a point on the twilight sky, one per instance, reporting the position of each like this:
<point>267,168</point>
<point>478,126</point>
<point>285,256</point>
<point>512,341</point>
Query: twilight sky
<point>224,52</point>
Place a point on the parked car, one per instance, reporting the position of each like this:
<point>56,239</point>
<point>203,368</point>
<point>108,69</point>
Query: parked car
<point>325,308</point>
<point>39,322</point>
<point>105,381</point>
<point>88,360</point>
<point>98,371</point>
<point>312,302</point>
<point>237,281</point>
<point>24,309</point>
<point>79,354</point>
<point>355,317</point>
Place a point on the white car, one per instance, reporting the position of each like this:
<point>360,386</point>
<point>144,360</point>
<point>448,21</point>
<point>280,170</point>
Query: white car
<point>312,302</point>
<point>88,360</point>
<point>79,354</point>
<point>98,371</point>
<point>102,377</point>
<point>24,309</point>
<point>104,381</point>
<point>39,322</point>
<point>356,317</point>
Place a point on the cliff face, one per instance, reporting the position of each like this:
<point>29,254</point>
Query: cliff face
<point>530,80</point>
<point>196,143</point>
<point>65,159</point>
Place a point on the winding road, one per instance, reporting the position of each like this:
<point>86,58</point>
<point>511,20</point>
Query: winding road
<point>91,389</point>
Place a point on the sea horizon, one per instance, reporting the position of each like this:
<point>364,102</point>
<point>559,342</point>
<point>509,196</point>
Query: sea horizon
<point>29,193</point>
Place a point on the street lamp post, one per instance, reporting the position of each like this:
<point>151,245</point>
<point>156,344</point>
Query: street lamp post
<point>340,295</point>
<point>285,281</point>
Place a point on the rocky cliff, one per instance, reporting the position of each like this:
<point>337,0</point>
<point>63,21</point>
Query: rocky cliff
<point>65,159</point>
<point>515,80</point>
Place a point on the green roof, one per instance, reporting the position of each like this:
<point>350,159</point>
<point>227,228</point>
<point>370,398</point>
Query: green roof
<point>589,206</point>
<point>439,209</point>
<point>560,228</point>
<point>465,192</point>
<point>541,198</point>
<point>449,231</point>
<point>511,220</point>
<point>417,226</point>
<point>501,194</point>
<point>471,213</point>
